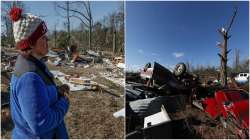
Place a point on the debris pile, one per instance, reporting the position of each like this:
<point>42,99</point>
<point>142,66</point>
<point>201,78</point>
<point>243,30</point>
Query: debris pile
<point>159,100</point>
<point>75,82</point>
<point>8,60</point>
<point>113,68</point>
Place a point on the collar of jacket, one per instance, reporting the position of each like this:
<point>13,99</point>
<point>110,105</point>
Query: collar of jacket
<point>31,64</point>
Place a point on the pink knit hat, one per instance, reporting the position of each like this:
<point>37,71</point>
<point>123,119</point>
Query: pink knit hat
<point>27,28</point>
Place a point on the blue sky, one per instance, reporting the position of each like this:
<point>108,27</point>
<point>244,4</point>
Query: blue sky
<point>46,9</point>
<point>172,32</point>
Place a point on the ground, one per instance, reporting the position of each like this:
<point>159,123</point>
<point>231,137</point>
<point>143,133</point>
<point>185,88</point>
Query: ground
<point>90,114</point>
<point>206,127</point>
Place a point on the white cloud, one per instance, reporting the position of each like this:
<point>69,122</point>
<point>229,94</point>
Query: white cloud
<point>154,54</point>
<point>140,51</point>
<point>133,68</point>
<point>178,54</point>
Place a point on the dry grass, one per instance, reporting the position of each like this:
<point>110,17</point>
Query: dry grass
<point>206,127</point>
<point>6,123</point>
<point>91,116</point>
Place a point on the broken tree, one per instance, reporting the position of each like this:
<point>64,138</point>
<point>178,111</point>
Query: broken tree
<point>224,51</point>
<point>83,13</point>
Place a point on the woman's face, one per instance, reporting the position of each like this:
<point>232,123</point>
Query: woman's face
<point>41,46</point>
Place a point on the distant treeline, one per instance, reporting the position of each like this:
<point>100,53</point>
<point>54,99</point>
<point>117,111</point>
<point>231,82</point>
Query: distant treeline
<point>243,66</point>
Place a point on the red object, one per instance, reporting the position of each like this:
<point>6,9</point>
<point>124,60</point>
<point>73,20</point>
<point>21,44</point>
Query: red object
<point>31,40</point>
<point>15,14</point>
<point>23,44</point>
<point>212,107</point>
<point>227,103</point>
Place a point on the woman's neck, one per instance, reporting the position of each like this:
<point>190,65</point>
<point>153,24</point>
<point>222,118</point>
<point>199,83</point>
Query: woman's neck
<point>36,56</point>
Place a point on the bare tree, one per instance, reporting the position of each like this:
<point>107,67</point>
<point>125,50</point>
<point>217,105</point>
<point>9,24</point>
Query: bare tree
<point>55,36</point>
<point>223,55</point>
<point>67,23</point>
<point>82,11</point>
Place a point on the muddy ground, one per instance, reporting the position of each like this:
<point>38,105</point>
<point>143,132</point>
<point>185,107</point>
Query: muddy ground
<point>90,114</point>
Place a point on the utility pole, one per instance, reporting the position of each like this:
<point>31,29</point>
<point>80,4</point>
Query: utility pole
<point>223,55</point>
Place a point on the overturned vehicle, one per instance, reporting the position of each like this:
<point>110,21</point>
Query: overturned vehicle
<point>151,103</point>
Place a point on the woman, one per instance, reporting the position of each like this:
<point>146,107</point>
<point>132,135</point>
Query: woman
<point>37,109</point>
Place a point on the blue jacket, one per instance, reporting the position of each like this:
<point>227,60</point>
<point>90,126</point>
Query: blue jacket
<point>36,109</point>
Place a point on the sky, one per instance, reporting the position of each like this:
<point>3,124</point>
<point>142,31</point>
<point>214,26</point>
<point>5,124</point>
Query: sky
<point>46,10</point>
<point>172,32</point>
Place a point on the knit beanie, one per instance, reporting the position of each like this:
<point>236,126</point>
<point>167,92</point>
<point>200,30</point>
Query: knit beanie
<point>27,28</point>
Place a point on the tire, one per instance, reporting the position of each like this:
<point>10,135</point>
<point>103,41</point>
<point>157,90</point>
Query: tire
<point>180,69</point>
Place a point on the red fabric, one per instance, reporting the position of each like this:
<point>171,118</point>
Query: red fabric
<point>233,96</point>
<point>220,97</point>
<point>31,40</point>
<point>241,108</point>
<point>23,44</point>
<point>15,13</point>
<point>212,107</point>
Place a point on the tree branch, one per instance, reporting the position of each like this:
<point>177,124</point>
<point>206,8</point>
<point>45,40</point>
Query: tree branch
<point>80,20</point>
<point>230,25</point>
<point>75,11</point>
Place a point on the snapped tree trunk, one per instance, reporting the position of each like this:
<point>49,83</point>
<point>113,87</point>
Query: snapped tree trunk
<point>68,25</point>
<point>224,51</point>
<point>90,25</point>
<point>114,43</point>
<point>223,71</point>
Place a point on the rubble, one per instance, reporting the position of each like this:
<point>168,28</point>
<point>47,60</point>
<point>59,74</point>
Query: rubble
<point>75,84</point>
<point>113,78</point>
<point>121,65</point>
<point>52,54</point>
<point>156,86</point>
<point>92,53</point>
<point>56,62</point>
<point>157,118</point>
<point>8,60</point>
<point>58,57</point>
<point>120,113</point>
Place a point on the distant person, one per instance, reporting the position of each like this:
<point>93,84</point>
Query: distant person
<point>73,53</point>
<point>37,108</point>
